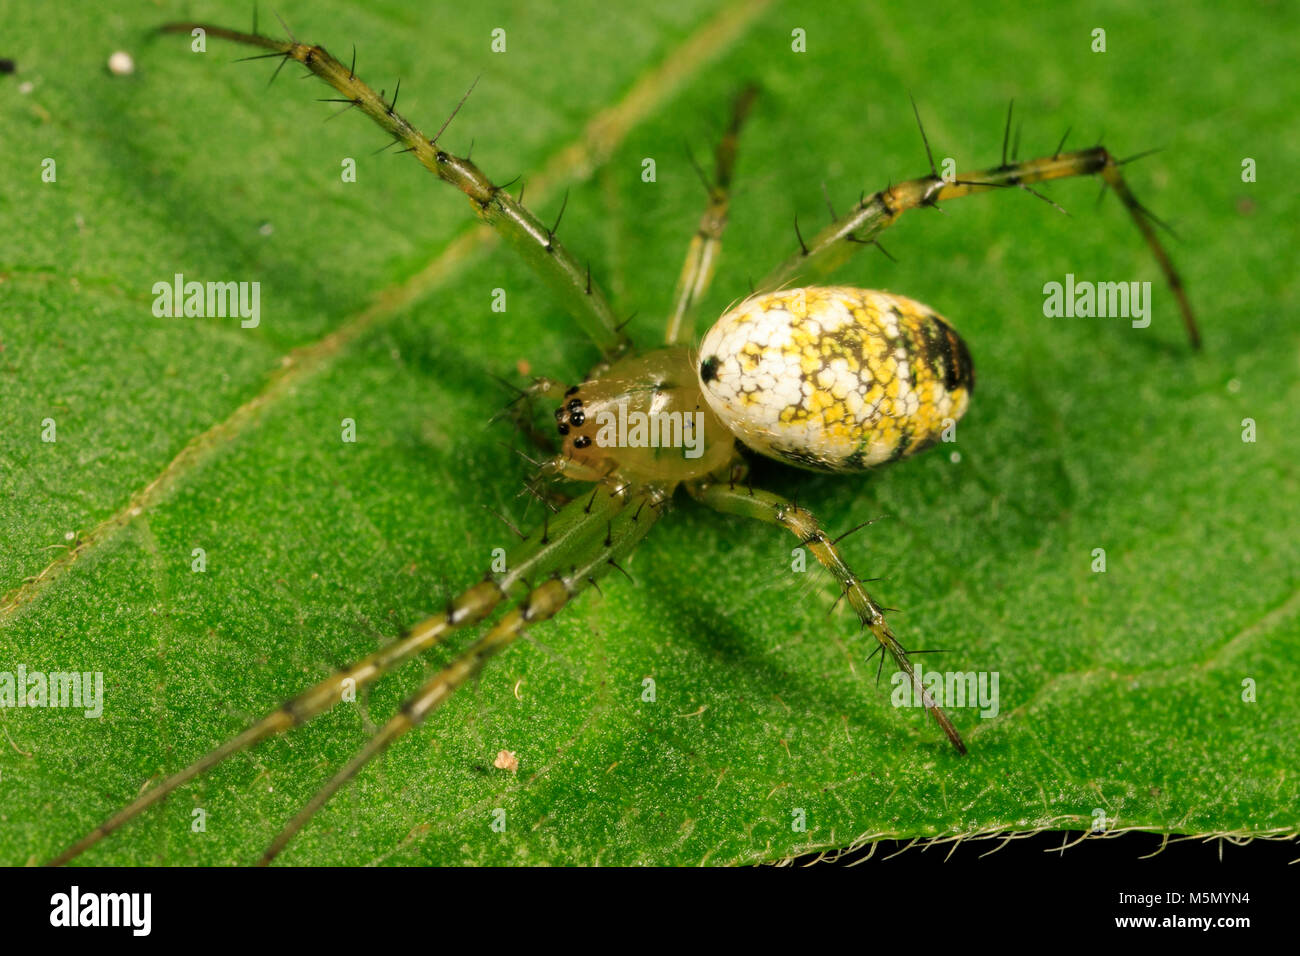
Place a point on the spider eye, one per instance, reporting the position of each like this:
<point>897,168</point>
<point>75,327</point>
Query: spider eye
<point>709,369</point>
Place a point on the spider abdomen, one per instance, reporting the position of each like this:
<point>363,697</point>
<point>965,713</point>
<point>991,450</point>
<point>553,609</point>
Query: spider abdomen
<point>835,378</point>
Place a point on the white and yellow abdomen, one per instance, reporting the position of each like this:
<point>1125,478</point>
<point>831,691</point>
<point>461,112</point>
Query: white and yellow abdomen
<point>834,378</point>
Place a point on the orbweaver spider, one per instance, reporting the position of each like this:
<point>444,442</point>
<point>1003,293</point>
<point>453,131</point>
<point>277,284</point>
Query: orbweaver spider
<point>832,379</point>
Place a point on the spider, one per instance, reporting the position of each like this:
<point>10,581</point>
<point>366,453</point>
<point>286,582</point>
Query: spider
<point>825,378</point>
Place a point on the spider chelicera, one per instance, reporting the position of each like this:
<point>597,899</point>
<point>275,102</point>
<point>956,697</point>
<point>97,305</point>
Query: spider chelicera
<point>826,378</point>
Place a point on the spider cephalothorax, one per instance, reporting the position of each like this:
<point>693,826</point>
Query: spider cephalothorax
<point>642,419</point>
<point>831,378</point>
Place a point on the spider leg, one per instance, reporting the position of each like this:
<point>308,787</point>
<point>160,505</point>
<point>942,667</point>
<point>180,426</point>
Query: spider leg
<point>702,254</point>
<point>533,240</point>
<point>619,535</point>
<point>875,213</point>
<point>773,509</point>
<point>573,531</point>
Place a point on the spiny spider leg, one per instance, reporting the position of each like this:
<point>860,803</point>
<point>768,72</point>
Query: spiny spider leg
<point>622,533</point>
<point>873,214</point>
<point>535,242</point>
<point>706,245</point>
<point>559,543</point>
<point>773,509</point>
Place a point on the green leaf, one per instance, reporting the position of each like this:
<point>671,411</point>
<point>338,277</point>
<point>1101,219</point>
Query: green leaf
<point>1119,691</point>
